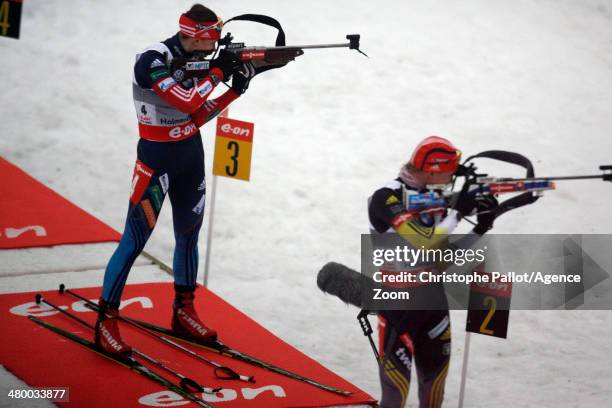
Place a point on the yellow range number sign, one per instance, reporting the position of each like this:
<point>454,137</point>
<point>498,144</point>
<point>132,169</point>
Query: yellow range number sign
<point>489,308</point>
<point>10,18</point>
<point>233,148</point>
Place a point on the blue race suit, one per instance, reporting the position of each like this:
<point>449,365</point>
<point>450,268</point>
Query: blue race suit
<point>170,160</point>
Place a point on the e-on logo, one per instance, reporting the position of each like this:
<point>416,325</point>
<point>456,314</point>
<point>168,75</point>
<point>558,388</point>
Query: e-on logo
<point>235,130</point>
<point>180,131</point>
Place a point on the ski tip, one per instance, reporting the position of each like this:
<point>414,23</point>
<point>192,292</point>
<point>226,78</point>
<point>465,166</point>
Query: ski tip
<point>344,393</point>
<point>38,298</point>
<point>62,287</point>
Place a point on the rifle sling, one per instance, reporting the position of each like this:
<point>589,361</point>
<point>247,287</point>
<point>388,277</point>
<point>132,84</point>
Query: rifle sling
<point>262,19</point>
<point>512,158</point>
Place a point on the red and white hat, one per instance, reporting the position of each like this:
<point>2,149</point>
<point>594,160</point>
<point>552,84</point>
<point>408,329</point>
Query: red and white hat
<point>206,30</point>
<point>436,154</point>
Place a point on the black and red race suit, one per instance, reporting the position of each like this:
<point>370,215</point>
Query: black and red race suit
<point>412,337</point>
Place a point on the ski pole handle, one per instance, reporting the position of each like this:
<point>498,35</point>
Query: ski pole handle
<point>190,385</point>
<point>62,289</point>
<point>226,373</point>
<point>362,317</point>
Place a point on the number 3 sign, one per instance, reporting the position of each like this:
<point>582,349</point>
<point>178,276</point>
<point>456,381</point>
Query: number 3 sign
<point>233,147</point>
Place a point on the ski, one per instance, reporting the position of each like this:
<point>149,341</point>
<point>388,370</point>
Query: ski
<point>225,350</point>
<point>221,372</point>
<point>186,383</point>
<point>217,347</point>
<point>124,360</point>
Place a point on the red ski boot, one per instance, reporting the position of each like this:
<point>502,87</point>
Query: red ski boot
<point>107,335</point>
<point>185,319</point>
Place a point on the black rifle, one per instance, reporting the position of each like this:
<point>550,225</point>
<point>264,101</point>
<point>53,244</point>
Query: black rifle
<point>531,186</point>
<point>262,57</point>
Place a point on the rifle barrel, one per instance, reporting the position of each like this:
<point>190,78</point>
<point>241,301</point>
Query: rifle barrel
<point>593,176</point>
<point>343,45</point>
<point>289,47</point>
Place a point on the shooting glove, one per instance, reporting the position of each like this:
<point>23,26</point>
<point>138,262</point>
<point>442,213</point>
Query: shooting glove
<point>227,62</point>
<point>485,206</point>
<point>242,77</point>
<point>466,203</point>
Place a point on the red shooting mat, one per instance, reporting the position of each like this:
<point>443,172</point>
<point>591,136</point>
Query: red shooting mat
<point>42,358</point>
<point>32,215</point>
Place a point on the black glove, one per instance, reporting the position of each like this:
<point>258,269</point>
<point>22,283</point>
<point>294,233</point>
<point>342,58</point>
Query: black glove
<point>485,206</point>
<point>242,77</point>
<point>227,62</point>
<point>466,203</point>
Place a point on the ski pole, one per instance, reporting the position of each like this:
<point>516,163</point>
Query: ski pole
<point>124,360</point>
<point>186,383</point>
<point>222,372</point>
<point>366,327</point>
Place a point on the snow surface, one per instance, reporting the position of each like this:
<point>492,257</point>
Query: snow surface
<point>533,76</point>
<point>44,260</point>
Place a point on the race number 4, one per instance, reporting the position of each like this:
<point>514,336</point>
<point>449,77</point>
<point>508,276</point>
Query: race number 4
<point>233,148</point>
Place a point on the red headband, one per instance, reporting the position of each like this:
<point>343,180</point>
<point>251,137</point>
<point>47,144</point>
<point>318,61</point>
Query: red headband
<point>200,30</point>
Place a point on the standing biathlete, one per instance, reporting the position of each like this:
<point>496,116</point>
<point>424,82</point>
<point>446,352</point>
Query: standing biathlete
<point>422,336</point>
<point>170,161</point>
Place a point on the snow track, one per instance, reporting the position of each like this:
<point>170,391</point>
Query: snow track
<point>533,76</point>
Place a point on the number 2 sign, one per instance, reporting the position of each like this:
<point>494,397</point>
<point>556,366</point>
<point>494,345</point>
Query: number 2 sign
<point>489,308</point>
<point>233,147</point>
